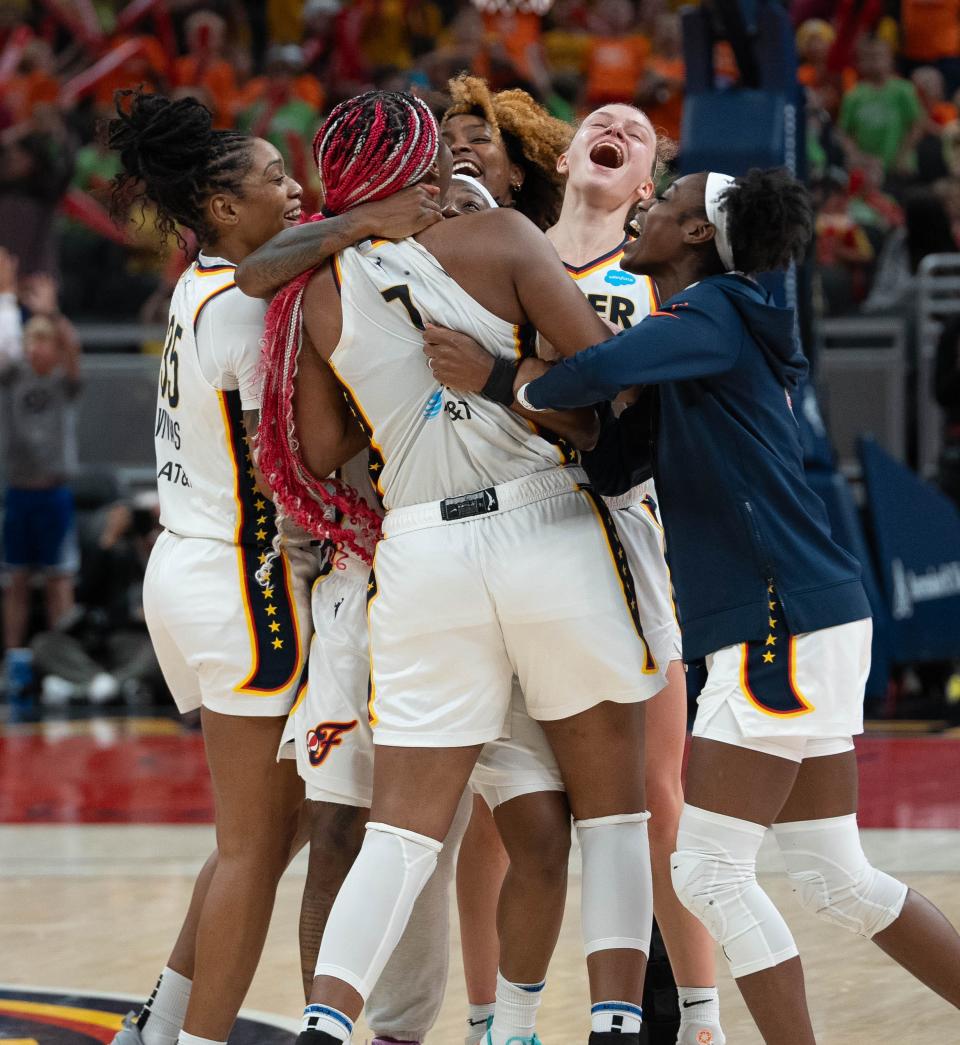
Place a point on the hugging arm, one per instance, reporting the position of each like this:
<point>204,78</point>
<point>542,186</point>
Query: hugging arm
<point>293,251</point>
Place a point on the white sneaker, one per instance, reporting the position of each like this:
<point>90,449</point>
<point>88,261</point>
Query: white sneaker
<point>103,688</point>
<point>56,692</point>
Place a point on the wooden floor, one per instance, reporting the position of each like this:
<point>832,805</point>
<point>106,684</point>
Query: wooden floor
<point>97,907</point>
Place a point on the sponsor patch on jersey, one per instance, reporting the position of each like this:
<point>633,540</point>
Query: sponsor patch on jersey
<point>619,278</point>
<point>34,1016</point>
<point>434,405</point>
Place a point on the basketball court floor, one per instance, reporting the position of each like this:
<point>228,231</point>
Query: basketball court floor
<point>105,822</point>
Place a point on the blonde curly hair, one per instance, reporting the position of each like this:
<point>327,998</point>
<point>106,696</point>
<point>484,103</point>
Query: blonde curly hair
<point>533,139</point>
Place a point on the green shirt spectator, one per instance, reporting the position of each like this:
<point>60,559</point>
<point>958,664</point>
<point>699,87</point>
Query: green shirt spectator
<point>881,115</point>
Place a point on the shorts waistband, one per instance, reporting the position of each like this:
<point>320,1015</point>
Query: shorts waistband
<point>494,500</point>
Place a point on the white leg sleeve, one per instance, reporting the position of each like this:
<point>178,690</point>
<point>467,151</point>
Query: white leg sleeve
<point>832,878</point>
<point>406,1001</point>
<point>616,907</point>
<point>714,873</point>
<point>374,904</point>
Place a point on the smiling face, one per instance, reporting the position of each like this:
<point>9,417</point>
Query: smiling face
<point>477,153</point>
<point>612,156</point>
<point>269,201</point>
<point>670,226</point>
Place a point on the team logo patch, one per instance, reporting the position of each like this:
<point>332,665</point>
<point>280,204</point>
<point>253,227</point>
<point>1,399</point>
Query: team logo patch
<point>41,1017</point>
<point>434,405</point>
<point>324,737</point>
<point>619,278</point>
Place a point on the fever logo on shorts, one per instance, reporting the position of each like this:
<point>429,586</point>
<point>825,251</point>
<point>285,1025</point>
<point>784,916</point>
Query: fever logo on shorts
<point>324,737</point>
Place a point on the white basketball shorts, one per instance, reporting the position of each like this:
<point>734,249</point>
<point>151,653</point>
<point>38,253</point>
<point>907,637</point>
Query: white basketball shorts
<point>329,726</point>
<point>795,696</point>
<point>527,578</point>
<point>222,639</point>
<point>638,524</point>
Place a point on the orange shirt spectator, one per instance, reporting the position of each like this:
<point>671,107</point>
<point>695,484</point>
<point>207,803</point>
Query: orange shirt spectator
<point>614,68</point>
<point>518,32</point>
<point>215,76</point>
<point>306,88</point>
<point>149,67</point>
<point>661,95</point>
<point>931,29</point>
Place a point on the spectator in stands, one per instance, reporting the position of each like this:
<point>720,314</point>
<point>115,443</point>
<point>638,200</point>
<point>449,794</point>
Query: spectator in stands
<point>844,252</point>
<point>869,206</point>
<point>938,114</point>
<point>34,82</point>
<point>931,36</point>
<point>204,65</point>
<point>661,89</point>
<point>36,164</point>
<point>926,231</point>
<point>282,113</point>
<point>814,40</point>
<point>617,55</point>
<point>103,651</point>
<point>39,383</point>
<point>881,116</point>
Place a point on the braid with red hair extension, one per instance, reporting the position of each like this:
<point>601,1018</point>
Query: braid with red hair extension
<point>368,148</point>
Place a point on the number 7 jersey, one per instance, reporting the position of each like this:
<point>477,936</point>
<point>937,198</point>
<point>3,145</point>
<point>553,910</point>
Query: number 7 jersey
<point>428,442</point>
<point>208,378</point>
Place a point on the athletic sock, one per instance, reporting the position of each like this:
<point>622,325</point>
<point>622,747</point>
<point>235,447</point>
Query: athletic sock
<point>192,1039</point>
<point>618,1017</point>
<point>161,1019</point>
<point>699,1016</point>
<point>325,1020</point>
<point>478,1019</point>
<point>515,1015</point>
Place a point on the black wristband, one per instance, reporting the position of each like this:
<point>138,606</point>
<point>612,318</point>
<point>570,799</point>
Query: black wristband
<point>499,386</point>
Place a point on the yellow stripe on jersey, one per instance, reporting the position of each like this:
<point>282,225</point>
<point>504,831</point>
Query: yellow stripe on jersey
<point>234,465</point>
<point>206,301</point>
<point>214,270</point>
<point>365,423</point>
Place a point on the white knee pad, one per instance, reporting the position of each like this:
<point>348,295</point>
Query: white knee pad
<point>832,878</point>
<point>374,904</point>
<point>714,872</point>
<point>616,905</point>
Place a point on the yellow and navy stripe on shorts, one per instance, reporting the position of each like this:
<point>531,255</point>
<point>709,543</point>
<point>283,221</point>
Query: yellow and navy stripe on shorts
<point>619,556</point>
<point>768,668</point>
<point>269,609</point>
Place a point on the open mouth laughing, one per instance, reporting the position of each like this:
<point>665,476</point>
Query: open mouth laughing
<point>607,153</point>
<point>469,167</point>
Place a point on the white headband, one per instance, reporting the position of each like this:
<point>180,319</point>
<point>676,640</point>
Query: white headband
<point>479,186</point>
<point>717,184</point>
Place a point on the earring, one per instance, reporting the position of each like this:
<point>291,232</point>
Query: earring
<point>516,186</point>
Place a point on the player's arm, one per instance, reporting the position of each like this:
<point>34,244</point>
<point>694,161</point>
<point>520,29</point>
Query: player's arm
<point>697,338</point>
<point>460,362</point>
<point>293,251</point>
<point>328,433</point>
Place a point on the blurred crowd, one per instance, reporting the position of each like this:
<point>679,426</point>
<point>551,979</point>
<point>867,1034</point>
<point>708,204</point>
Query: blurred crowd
<point>881,80</point>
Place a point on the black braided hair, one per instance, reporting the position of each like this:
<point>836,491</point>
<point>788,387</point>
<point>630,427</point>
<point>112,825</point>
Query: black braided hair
<point>172,156</point>
<point>769,219</point>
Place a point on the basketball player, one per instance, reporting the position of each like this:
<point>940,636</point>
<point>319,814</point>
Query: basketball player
<point>775,606</point>
<point>227,645</point>
<point>608,168</point>
<point>441,674</point>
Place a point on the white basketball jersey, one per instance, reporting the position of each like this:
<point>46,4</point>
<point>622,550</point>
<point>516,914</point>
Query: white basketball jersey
<point>208,377</point>
<point>428,441</point>
<point>623,298</point>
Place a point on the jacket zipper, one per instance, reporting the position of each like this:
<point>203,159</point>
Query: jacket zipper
<point>759,541</point>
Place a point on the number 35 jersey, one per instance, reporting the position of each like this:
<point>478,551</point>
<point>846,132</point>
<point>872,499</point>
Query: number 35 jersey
<point>208,377</point>
<point>428,441</point>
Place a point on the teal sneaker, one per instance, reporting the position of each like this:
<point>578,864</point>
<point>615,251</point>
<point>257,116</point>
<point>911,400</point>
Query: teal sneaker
<point>515,1040</point>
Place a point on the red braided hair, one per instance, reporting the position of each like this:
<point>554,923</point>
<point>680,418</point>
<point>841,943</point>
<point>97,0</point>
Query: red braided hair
<point>368,148</point>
